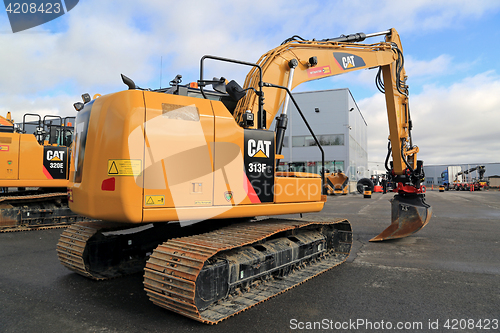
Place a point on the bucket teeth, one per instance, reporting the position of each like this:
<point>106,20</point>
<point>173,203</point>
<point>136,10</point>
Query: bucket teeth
<point>410,213</point>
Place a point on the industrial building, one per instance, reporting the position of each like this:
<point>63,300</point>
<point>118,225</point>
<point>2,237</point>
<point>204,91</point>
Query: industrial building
<point>340,128</point>
<point>433,172</point>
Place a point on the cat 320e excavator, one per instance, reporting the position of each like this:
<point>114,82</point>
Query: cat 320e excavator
<point>146,161</point>
<point>34,170</point>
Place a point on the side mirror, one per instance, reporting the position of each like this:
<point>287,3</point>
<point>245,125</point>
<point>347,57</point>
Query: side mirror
<point>220,85</point>
<point>235,91</point>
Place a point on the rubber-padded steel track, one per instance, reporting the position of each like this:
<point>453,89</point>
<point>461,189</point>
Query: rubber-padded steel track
<point>35,211</point>
<point>171,272</point>
<point>103,250</point>
<point>72,244</point>
<point>30,196</point>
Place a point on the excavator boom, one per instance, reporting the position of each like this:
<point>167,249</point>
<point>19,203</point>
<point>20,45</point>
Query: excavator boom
<point>297,61</point>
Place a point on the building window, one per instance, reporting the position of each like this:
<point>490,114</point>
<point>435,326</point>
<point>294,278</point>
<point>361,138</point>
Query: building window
<point>335,166</point>
<point>298,141</point>
<point>332,140</point>
<point>311,166</point>
<point>308,141</point>
<point>285,142</point>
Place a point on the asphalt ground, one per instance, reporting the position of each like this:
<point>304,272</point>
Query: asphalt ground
<point>445,278</point>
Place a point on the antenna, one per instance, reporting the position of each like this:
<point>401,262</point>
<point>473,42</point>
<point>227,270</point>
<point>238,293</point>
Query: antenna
<point>161,67</point>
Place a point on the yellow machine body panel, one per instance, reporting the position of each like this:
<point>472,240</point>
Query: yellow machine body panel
<point>294,189</point>
<point>9,150</point>
<point>111,190</point>
<point>176,158</point>
<point>178,162</point>
<point>26,163</point>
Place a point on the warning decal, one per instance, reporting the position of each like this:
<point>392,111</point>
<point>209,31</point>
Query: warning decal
<point>155,200</point>
<point>4,148</point>
<point>124,167</point>
<point>319,71</point>
<point>203,202</point>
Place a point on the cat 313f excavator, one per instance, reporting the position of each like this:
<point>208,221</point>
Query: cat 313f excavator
<point>146,161</point>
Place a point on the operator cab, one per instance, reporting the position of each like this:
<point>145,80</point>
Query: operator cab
<point>227,93</point>
<point>52,130</point>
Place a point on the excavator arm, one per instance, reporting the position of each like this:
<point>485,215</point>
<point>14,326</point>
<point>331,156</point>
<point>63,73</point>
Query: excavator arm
<point>297,61</point>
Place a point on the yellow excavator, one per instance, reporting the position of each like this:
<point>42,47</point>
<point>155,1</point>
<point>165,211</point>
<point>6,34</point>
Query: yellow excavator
<point>185,178</point>
<point>34,171</point>
<point>336,183</point>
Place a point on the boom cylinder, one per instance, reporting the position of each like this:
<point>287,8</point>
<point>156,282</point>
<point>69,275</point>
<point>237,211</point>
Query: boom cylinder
<point>357,37</point>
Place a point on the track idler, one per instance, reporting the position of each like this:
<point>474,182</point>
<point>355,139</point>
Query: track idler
<point>410,213</point>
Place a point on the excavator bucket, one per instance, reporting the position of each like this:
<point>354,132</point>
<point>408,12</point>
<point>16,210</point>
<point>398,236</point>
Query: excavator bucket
<point>336,183</point>
<point>409,215</point>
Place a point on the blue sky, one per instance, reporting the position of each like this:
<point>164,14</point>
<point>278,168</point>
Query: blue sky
<point>451,53</point>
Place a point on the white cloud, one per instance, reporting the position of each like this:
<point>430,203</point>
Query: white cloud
<point>435,67</point>
<point>91,52</point>
<point>18,105</point>
<point>451,124</point>
<point>406,16</point>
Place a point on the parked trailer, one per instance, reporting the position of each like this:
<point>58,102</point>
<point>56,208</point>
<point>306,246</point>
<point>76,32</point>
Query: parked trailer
<point>456,179</point>
<point>452,178</point>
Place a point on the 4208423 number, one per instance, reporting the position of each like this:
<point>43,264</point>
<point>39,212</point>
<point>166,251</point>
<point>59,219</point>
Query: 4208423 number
<point>33,8</point>
<point>470,324</point>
